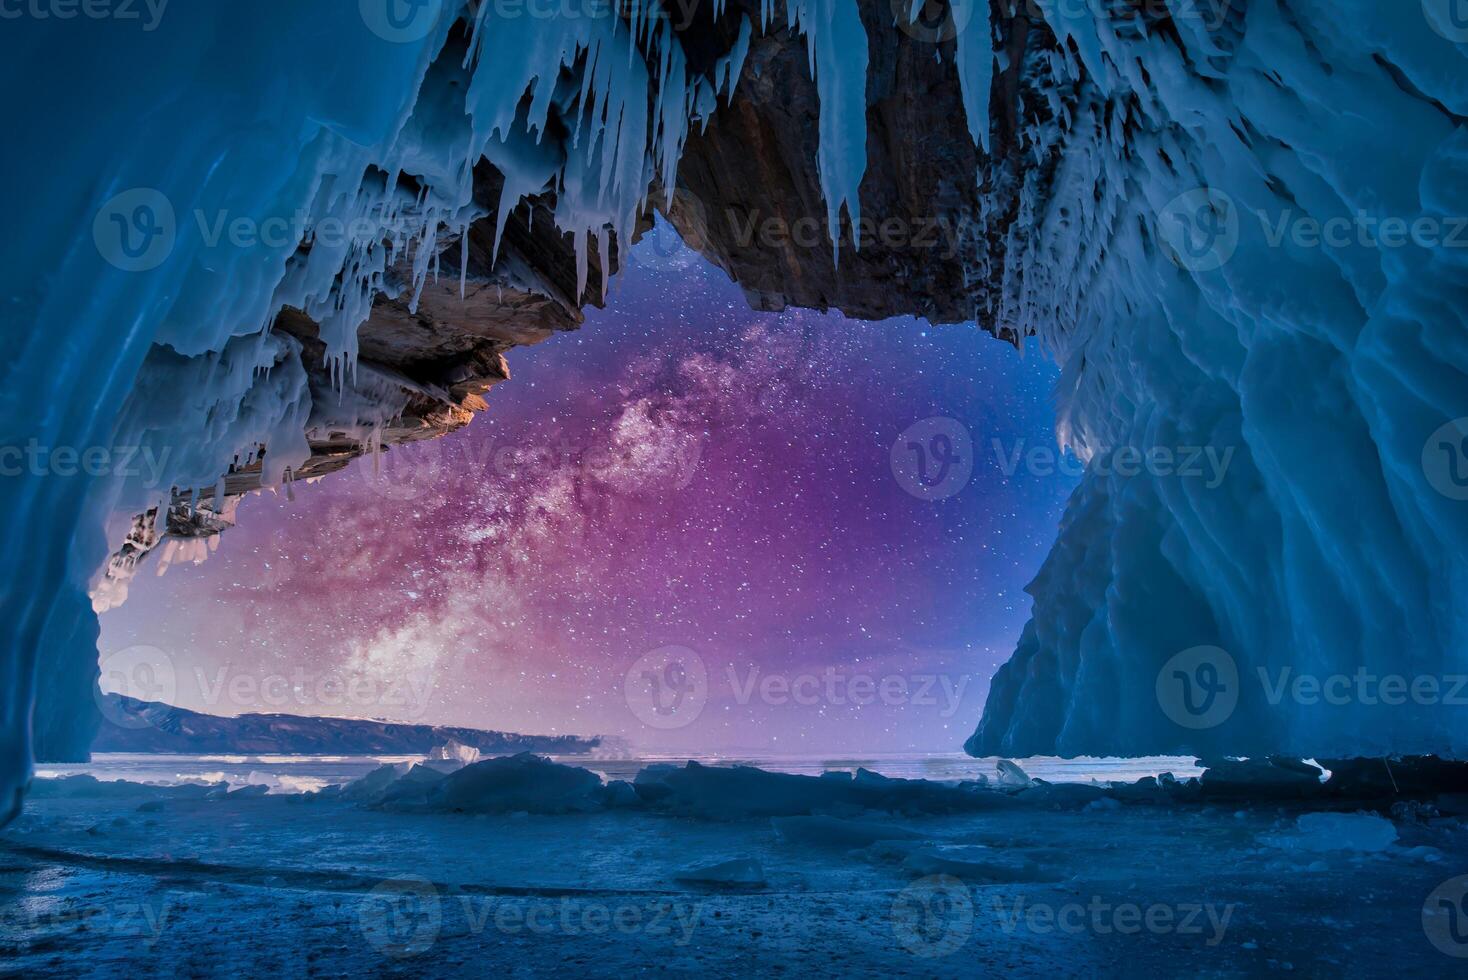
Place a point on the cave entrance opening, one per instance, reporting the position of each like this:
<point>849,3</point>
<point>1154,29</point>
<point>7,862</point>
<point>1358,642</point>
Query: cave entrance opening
<point>830,521</point>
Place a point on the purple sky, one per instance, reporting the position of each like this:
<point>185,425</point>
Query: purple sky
<point>681,471</point>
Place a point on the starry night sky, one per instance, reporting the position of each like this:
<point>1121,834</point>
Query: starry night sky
<point>681,471</point>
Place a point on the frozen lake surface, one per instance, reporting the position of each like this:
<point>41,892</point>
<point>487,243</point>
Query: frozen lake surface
<point>117,879</point>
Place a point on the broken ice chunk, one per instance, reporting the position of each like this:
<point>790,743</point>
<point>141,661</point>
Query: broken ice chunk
<point>414,786</point>
<point>1336,832</point>
<point>1012,775</point>
<point>452,751</point>
<point>738,792</point>
<point>972,862</point>
<point>619,793</point>
<point>1060,796</point>
<point>742,872</point>
<point>372,785</point>
<point>519,782</point>
<point>1274,777</point>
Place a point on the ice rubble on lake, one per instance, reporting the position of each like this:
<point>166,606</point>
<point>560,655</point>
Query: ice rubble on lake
<point>532,784</point>
<point>839,808</point>
<point>737,792</point>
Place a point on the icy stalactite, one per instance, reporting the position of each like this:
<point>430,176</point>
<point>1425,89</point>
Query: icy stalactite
<point>974,54</point>
<point>1175,266</point>
<point>836,43</point>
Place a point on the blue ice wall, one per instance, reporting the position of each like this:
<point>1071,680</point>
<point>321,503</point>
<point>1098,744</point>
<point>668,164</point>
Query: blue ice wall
<point>1254,244</point>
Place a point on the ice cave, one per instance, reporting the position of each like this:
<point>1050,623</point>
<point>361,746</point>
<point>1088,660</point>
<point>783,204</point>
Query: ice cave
<point>256,245</point>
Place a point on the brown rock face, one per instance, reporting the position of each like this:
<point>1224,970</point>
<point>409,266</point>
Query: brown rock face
<point>749,195</point>
<point>937,211</point>
<point>448,349</point>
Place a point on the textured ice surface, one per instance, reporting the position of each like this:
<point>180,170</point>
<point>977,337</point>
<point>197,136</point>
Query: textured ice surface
<point>1176,269</point>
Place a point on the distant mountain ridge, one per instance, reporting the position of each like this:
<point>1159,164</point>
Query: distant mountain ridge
<point>133,725</point>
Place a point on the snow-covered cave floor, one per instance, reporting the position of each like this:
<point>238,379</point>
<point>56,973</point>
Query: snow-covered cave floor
<point>282,885</point>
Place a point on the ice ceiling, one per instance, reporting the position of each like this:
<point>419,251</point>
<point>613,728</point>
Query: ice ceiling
<point>1239,226</point>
